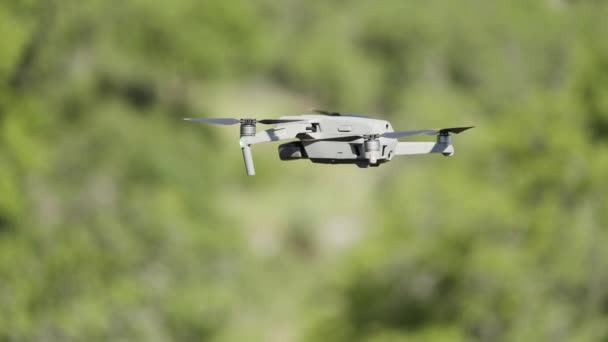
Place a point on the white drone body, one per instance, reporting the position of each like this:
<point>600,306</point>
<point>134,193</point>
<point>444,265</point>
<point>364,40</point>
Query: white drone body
<point>334,138</point>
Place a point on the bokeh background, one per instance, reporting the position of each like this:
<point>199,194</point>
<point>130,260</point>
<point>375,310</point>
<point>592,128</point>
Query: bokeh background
<point>121,222</point>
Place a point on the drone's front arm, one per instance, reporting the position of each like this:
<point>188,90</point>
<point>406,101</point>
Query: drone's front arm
<point>275,134</point>
<point>410,148</point>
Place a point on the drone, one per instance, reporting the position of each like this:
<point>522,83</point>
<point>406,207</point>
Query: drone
<point>334,138</point>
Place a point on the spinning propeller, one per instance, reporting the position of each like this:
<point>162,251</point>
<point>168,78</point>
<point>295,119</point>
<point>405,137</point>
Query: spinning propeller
<point>330,113</point>
<point>231,121</point>
<point>441,131</point>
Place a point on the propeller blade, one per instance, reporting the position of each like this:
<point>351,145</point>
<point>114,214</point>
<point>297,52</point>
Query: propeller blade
<point>400,134</point>
<point>455,130</point>
<point>231,121</point>
<point>325,112</point>
<point>217,121</point>
<point>275,121</point>
<point>330,113</point>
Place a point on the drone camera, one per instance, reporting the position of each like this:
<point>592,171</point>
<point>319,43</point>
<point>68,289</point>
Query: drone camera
<point>291,151</point>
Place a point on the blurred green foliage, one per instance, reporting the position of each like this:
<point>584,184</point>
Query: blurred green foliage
<point>120,222</point>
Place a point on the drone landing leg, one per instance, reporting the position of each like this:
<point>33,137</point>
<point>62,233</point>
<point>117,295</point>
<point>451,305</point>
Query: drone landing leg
<point>249,168</point>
